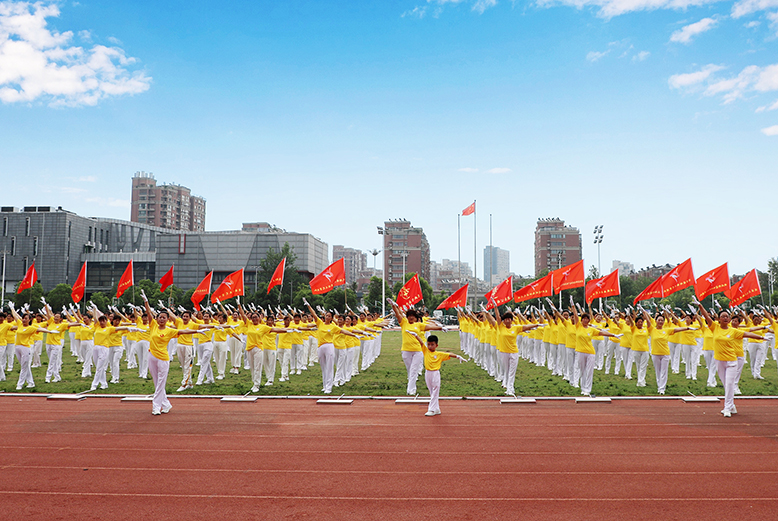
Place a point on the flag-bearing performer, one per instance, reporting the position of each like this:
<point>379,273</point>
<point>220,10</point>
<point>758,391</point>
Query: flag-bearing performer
<point>325,335</point>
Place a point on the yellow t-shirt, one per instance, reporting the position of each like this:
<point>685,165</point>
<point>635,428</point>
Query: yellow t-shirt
<point>660,340</point>
<point>58,337</point>
<point>583,338</point>
<point>255,335</point>
<point>639,338</point>
<point>25,336</point>
<point>727,343</point>
<point>409,342</point>
<point>325,333</point>
<point>5,327</point>
<point>506,337</point>
<point>432,359</point>
<point>159,339</point>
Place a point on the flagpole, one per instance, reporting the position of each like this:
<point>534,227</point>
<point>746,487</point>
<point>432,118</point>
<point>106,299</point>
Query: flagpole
<point>491,252</point>
<point>475,258</point>
<point>459,253</point>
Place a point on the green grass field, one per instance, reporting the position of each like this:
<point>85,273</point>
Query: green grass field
<point>387,377</point>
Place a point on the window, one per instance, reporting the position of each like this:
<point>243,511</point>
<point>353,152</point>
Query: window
<point>26,264</point>
<point>70,228</point>
<point>34,246</point>
<point>101,236</point>
<point>27,227</point>
<point>13,245</point>
<point>5,226</point>
<point>90,234</point>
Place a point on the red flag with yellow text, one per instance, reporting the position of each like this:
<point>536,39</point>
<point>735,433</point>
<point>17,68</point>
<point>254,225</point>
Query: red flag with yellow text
<point>715,281</point>
<point>410,293</point>
<point>166,281</point>
<point>744,289</point>
<point>278,276</point>
<point>77,293</point>
<point>29,280</point>
<point>231,286</point>
<point>201,291</point>
<point>501,293</point>
<point>543,287</point>
<point>456,299</point>
<point>607,286</point>
<point>127,280</point>
<point>569,277</point>
<point>333,275</point>
<point>654,290</point>
<point>680,277</point>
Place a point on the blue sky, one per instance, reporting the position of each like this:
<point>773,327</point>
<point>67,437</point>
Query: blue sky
<point>660,123</point>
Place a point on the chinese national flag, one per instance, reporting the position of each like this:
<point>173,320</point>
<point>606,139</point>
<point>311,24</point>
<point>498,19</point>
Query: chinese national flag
<point>167,280</point>
<point>715,281</point>
<point>744,289</point>
<point>469,210</point>
<point>540,288</point>
<point>569,277</point>
<point>456,299</point>
<point>278,276</point>
<point>410,293</point>
<point>654,290</point>
<point>29,280</point>
<point>680,277</point>
<point>77,293</point>
<point>501,293</point>
<point>607,286</point>
<point>231,286</point>
<point>333,275</point>
<point>201,291</point>
<point>126,282</point>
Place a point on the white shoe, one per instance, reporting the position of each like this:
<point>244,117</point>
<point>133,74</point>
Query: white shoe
<point>47,381</point>
<point>114,381</point>
<point>199,383</point>
<point>737,390</point>
<point>268,384</point>
<point>437,412</point>
<point>220,377</point>
<point>155,412</point>
<point>727,414</point>
<point>734,409</point>
<point>103,387</point>
<point>430,413</point>
<point>182,388</point>
<point>255,389</point>
<point>19,388</point>
<point>299,371</point>
<point>166,410</point>
<point>93,388</point>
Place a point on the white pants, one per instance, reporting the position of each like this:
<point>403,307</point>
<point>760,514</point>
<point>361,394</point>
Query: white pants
<point>611,352</point>
<point>675,356</point>
<point>433,384</point>
<point>115,359</point>
<point>586,362</point>
<point>9,357</point>
<point>37,347</point>
<point>24,354</point>
<point>510,363</point>
<point>354,357</point>
<point>641,366</point>
<point>87,350</point>
<point>599,352</point>
<point>206,370</point>
<point>325,353</point>
<point>134,355</point>
<point>661,365</point>
<point>100,359</point>
<point>142,348</point>
<point>561,360</point>
<point>54,352</point>
<point>255,360</point>
<point>728,375</point>
<point>236,351</point>
<point>3,353</point>
<point>342,367</point>
<point>159,370</point>
<point>220,357</point>
<point>570,372</point>
<point>185,358</point>
<point>710,363</point>
<point>269,363</point>
<point>75,347</point>
<point>756,355</point>
<point>299,357</point>
<point>414,361</point>
<point>285,358</point>
<point>313,347</point>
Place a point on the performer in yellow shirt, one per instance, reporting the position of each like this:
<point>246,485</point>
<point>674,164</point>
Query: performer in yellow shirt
<point>433,359</point>
<point>5,327</point>
<point>26,330</point>
<point>411,354</point>
<point>325,336</point>
<point>507,347</point>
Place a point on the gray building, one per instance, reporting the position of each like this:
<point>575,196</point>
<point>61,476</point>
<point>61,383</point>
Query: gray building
<point>59,241</point>
<point>497,262</point>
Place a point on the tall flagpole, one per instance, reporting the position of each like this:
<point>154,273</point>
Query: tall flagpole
<point>475,258</point>
<point>491,252</point>
<point>459,252</point>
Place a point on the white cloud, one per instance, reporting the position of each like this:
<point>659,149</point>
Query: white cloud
<point>611,8</point>
<point>773,17</point>
<point>686,33</point>
<point>482,5</point>
<point>770,131</point>
<point>108,201</point>
<point>416,12</point>
<point>468,170</point>
<point>765,108</point>
<point>642,55</point>
<point>744,7</point>
<point>594,56</point>
<point>37,63</point>
<point>85,35</point>
<point>752,25</point>
<point>502,170</point>
<point>679,81</point>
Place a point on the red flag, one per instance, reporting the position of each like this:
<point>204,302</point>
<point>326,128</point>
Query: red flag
<point>278,276</point>
<point>456,299</point>
<point>333,275</point>
<point>543,287</point>
<point>77,293</point>
<point>569,277</point>
<point>502,293</point>
<point>231,286</point>
<point>607,286</point>
<point>410,293</point>
<point>744,289</point>
<point>167,280</point>
<point>715,281</point>
<point>29,280</point>
<point>469,210</point>
<point>654,290</point>
<point>680,277</point>
<point>201,291</point>
<point>127,280</point>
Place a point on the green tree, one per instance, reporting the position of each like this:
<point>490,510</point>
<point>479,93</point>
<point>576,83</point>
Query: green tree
<point>279,295</point>
<point>31,296</point>
<point>59,296</point>
<point>373,299</point>
<point>101,300</point>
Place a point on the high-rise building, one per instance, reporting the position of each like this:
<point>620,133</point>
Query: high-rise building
<point>354,260</point>
<point>498,264</point>
<point>406,249</point>
<point>625,268</point>
<point>168,206</point>
<point>556,245</point>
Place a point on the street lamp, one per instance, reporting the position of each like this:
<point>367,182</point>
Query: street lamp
<point>383,278</point>
<point>598,236</point>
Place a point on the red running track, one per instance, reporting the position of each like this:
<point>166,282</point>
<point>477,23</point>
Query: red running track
<point>293,459</point>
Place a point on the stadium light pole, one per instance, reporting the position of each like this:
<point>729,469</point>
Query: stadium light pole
<point>598,236</point>
<point>383,279</point>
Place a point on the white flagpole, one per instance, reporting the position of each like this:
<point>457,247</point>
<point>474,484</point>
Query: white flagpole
<point>475,258</point>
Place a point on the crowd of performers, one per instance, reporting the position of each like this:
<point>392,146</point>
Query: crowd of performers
<point>572,343</point>
<point>255,340</point>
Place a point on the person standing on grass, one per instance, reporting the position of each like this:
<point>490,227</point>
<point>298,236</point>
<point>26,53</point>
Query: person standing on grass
<point>412,355</point>
<point>433,359</point>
